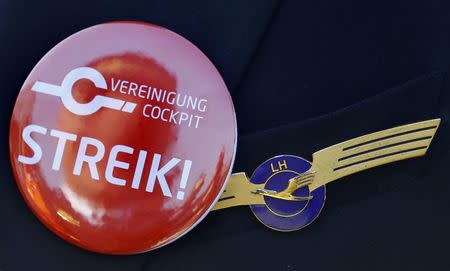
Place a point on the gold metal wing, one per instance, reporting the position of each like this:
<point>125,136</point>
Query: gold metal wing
<point>239,192</point>
<point>337,161</point>
<point>372,150</point>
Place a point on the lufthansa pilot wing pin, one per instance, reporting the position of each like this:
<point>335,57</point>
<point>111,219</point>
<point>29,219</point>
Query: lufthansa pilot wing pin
<point>287,193</point>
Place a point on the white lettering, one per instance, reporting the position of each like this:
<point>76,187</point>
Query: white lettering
<point>91,160</point>
<point>159,173</point>
<point>113,163</point>
<point>62,139</point>
<point>37,151</point>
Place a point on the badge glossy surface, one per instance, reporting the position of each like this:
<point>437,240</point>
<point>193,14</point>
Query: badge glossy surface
<point>122,138</point>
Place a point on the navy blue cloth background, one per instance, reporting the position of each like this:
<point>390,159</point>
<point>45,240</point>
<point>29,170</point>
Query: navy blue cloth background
<point>303,75</point>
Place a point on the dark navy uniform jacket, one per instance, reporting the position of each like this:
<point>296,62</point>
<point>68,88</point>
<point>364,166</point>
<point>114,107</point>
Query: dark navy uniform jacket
<point>303,75</point>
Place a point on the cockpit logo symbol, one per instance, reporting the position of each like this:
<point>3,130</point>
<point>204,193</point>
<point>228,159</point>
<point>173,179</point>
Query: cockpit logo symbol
<point>64,91</point>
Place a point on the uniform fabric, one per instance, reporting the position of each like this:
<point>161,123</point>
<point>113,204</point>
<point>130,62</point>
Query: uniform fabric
<point>303,75</point>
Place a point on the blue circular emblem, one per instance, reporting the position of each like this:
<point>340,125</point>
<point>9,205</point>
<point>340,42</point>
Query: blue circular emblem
<point>285,215</point>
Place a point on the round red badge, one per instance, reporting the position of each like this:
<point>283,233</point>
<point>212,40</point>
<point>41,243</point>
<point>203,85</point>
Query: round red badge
<point>122,138</point>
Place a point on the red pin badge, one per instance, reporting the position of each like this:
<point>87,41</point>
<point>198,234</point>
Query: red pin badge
<point>122,138</point>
